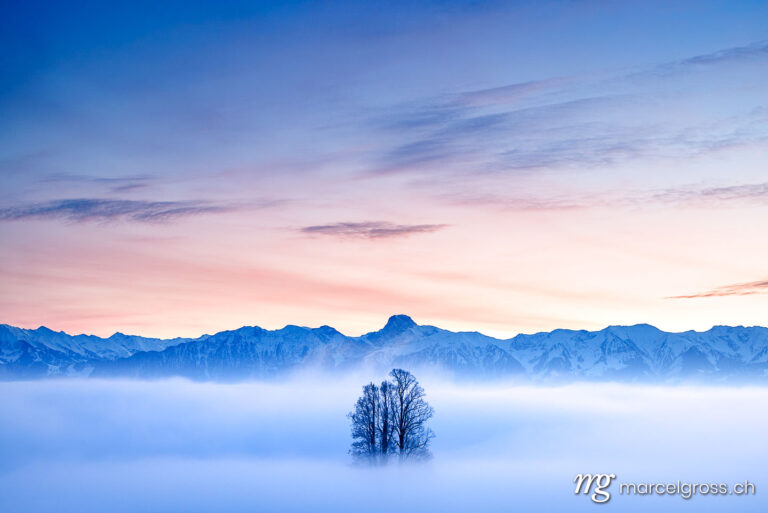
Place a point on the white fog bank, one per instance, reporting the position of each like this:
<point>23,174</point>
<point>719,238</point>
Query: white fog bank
<point>178,446</point>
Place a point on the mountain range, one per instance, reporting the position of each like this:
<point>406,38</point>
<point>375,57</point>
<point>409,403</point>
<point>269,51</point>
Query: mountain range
<point>616,353</point>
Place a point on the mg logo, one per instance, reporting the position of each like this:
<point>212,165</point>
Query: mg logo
<point>600,482</point>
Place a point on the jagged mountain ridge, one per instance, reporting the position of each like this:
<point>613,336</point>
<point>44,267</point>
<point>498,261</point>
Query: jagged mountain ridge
<point>633,353</point>
<point>31,353</point>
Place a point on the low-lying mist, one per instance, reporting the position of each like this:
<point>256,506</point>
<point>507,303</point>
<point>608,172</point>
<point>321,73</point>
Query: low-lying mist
<point>179,446</point>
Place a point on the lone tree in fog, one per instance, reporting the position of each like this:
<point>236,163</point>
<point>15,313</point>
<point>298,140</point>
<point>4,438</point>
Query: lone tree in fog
<point>391,419</point>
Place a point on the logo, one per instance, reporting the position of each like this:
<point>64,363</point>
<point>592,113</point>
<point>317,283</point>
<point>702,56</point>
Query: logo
<point>600,482</point>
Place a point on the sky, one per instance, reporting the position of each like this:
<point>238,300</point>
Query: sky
<point>179,168</point>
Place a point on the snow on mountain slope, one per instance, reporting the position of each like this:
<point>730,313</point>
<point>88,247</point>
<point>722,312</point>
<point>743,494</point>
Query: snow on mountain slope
<point>624,353</point>
<point>46,352</point>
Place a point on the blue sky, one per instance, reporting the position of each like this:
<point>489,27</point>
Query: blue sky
<point>573,164</point>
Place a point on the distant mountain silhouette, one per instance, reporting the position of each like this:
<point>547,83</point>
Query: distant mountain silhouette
<point>621,353</point>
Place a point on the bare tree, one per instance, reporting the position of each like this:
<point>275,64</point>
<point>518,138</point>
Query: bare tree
<point>365,423</point>
<point>391,419</point>
<point>411,412</point>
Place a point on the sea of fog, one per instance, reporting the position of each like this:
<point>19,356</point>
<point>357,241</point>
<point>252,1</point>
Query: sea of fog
<point>178,446</point>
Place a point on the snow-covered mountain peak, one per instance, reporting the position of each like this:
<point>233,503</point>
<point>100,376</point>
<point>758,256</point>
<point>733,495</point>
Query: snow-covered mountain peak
<point>626,353</point>
<point>398,324</point>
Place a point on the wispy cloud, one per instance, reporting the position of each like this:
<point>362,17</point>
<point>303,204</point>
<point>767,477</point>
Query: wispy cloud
<point>735,55</point>
<point>510,93</point>
<point>737,289</point>
<point>684,196</point>
<point>95,209</point>
<point>418,153</point>
<point>113,184</point>
<point>571,122</point>
<point>746,192</point>
<point>371,229</point>
<point>754,50</point>
<point>527,203</point>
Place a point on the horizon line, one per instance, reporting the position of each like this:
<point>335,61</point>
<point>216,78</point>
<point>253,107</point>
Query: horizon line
<point>44,327</point>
